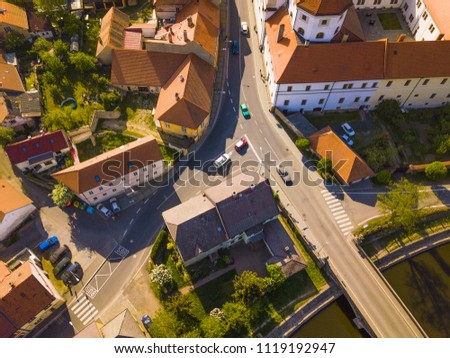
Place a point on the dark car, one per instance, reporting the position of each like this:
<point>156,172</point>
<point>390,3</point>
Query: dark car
<point>71,275</point>
<point>58,254</point>
<point>45,245</point>
<point>282,172</point>
<point>61,265</point>
<point>235,48</point>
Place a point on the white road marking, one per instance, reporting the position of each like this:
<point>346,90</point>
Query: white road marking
<point>125,232</point>
<point>331,199</point>
<point>347,229</point>
<point>146,200</point>
<point>231,100</point>
<point>334,205</point>
<point>272,151</point>
<point>84,310</point>
<point>228,84</point>
<point>328,195</point>
<point>131,221</point>
<point>240,125</point>
<point>234,109</point>
<point>343,220</point>
<point>325,191</point>
<point>253,149</point>
<point>346,224</point>
<point>336,209</point>
<point>89,315</point>
<point>229,92</point>
<point>138,210</point>
<point>337,217</point>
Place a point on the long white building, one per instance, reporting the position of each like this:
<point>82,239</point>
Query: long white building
<point>307,72</point>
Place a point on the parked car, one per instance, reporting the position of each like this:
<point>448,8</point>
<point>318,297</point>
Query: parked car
<point>104,210</point>
<point>45,245</point>
<point>282,172</point>
<point>241,144</point>
<point>71,275</point>
<point>348,129</point>
<point>244,28</point>
<point>222,160</point>
<point>58,254</point>
<point>235,48</point>
<point>245,111</point>
<point>61,265</point>
<point>347,140</point>
<point>146,321</point>
<point>115,206</point>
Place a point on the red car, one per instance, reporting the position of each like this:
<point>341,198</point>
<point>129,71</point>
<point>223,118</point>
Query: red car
<point>241,144</point>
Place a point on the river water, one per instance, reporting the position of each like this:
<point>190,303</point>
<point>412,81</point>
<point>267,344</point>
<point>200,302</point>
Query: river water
<point>423,284</point>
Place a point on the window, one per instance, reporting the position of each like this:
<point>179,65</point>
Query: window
<point>367,99</point>
<point>406,6</point>
<point>374,85</point>
<point>289,89</point>
<point>389,84</point>
<point>425,82</point>
<point>444,81</point>
<point>448,96</point>
<point>143,89</point>
<point>301,31</point>
<point>357,99</point>
<point>360,2</point>
<point>304,18</point>
<point>286,102</point>
<point>364,85</point>
<point>341,100</point>
<point>393,2</point>
<point>399,96</point>
<point>104,194</point>
<point>52,140</point>
<point>130,164</point>
<point>425,15</point>
<point>320,35</point>
<point>411,18</point>
<point>327,87</point>
<point>100,188</point>
<point>183,129</point>
<point>324,22</point>
<point>376,2</point>
<point>167,125</point>
<point>38,145</point>
<point>7,29</point>
<point>419,3</point>
<point>110,184</point>
<point>91,192</point>
<point>431,28</point>
<point>433,95</point>
<point>95,198</point>
<point>303,102</point>
<point>336,31</point>
<point>307,88</point>
<point>348,86</point>
<point>144,169</point>
<point>321,101</point>
<point>97,178</point>
<point>407,83</point>
<point>114,190</point>
<point>381,98</point>
<point>416,95</point>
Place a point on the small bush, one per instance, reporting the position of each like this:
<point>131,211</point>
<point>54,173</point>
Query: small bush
<point>302,144</point>
<point>384,177</point>
<point>436,171</point>
<point>160,242</point>
<point>170,246</point>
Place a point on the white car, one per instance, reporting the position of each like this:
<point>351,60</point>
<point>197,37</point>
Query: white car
<point>222,160</point>
<point>115,206</point>
<point>104,210</point>
<point>348,129</point>
<point>347,140</point>
<point>244,28</point>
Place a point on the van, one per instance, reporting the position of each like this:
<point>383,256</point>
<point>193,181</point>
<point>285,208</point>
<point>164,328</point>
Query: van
<point>61,265</point>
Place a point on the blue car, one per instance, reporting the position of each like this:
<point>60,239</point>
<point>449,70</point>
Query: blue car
<point>45,245</point>
<point>146,321</point>
<point>235,47</point>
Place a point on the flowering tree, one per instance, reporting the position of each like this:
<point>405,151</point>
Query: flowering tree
<point>161,275</point>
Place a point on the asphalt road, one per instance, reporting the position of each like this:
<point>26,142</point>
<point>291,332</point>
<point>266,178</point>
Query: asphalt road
<point>138,225</point>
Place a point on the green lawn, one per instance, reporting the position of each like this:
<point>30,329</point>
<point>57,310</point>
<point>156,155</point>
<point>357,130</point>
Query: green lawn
<point>389,21</point>
<point>330,118</point>
<point>110,141</point>
<point>169,154</point>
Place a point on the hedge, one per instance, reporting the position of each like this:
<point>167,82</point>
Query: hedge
<point>160,243</point>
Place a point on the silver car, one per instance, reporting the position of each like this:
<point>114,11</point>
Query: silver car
<point>104,210</point>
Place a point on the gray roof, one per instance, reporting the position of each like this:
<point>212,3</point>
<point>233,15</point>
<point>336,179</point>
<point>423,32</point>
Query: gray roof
<point>123,326</point>
<point>195,226</point>
<point>243,203</point>
<point>29,104</point>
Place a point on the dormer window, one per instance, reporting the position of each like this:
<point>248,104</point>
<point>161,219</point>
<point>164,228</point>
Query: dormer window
<point>97,178</point>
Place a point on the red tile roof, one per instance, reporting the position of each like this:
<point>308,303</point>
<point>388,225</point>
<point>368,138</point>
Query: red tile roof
<point>347,165</point>
<point>440,10</point>
<point>48,142</point>
<point>324,7</point>
<point>132,39</point>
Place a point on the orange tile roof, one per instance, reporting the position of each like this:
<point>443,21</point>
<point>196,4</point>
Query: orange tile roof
<point>132,39</point>
<point>12,199</point>
<point>22,297</point>
<point>143,68</point>
<point>13,15</point>
<point>10,79</point>
<point>111,32</point>
<point>440,12</point>
<point>110,165</point>
<point>186,98</point>
<point>324,7</point>
<point>347,165</point>
<point>4,111</point>
<point>351,27</point>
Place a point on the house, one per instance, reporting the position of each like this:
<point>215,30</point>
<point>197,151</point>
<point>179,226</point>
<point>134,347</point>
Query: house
<point>167,9</point>
<point>10,81</point>
<point>15,208</point>
<point>111,173</point>
<point>38,153</point>
<point>27,296</point>
<point>221,217</point>
<point>13,17</point>
<point>347,165</point>
<point>124,325</point>
<point>19,111</point>
<point>40,26</point>
<point>196,30</point>
<point>360,74</point>
<point>111,34</point>
<point>185,100</point>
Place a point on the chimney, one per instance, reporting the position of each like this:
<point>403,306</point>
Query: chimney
<point>234,194</point>
<point>344,38</point>
<point>401,38</point>
<point>306,43</point>
<point>177,96</point>
<point>181,78</point>
<point>252,186</point>
<point>185,36</point>
<point>189,21</point>
<point>280,33</point>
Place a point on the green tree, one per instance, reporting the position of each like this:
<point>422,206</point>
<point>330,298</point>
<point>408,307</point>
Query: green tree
<point>110,100</point>
<point>389,111</point>
<point>53,64</point>
<point>302,143</point>
<point>401,204</point>
<point>6,136</point>
<point>14,41</point>
<point>276,277</point>
<point>325,167</point>
<point>383,177</point>
<point>69,24</point>
<point>61,194</point>
<point>41,45</point>
<point>213,327</point>
<point>82,62</point>
<point>436,171</point>
<point>62,118</point>
<point>50,7</point>
<point>61,50</point>
<point>165,325</point>
<point>237,319</point>
<point>248,287</point>
<point>182,306</point>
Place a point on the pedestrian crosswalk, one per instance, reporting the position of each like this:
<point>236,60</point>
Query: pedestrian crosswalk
<point>84,310</point>
<point>338,211</point>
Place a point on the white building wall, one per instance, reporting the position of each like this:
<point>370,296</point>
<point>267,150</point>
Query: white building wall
<point>377,4</point>
<point>45,164</point>
<point>309,26</point>
<point>12,220</point>
<point>116,187</point>
<point>270,74</point>
<point>264,9</point>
